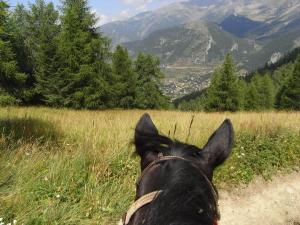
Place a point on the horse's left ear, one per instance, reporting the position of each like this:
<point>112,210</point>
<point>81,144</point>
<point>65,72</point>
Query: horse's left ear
<point>219,145</point>
<point>145,132</point>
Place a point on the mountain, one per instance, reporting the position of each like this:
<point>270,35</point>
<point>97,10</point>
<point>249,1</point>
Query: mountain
<point>240,25</point>
<point>192,44</point>
<point>277,14</point>
<point>141,25</point>
<point>204,44</point>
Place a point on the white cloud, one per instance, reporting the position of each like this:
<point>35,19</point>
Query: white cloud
<point>125,14</point>
<point>138,5</point>
<point>142,5</point>
<point>104,18</point>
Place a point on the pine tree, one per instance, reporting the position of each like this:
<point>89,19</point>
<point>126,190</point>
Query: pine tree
<point>149,96</point>
<point>84,54</point>
<point>19,35</point>
<point>289,95</point>
<point>251,98</point>
<point>125,78</point>
<point>223,95</point>
<point>242,93</point>
<point>267,93</point>
<point>11,80</point>
<point>213,100</point>
<point>42,30</point>
<point>19,19</point>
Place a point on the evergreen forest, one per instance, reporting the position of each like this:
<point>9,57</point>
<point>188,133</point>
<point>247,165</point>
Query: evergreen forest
<point>58,58</point>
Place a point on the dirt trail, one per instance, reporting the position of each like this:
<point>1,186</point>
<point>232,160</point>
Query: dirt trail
<point>263,203</point>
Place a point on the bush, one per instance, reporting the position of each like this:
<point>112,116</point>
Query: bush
<point>8,100</point>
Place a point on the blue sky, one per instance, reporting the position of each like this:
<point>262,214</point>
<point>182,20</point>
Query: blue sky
<point>110,10</point>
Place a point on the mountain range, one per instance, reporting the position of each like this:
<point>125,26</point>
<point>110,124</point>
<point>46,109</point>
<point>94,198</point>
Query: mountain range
<point>192,37</point>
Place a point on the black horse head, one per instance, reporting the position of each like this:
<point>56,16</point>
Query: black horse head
<point>187,194</point>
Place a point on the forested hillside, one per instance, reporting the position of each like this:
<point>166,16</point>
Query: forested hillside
<point>275,86</point>
<point>59,59</point>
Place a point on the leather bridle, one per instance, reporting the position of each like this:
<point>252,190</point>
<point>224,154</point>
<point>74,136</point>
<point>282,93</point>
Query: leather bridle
<point>148,198</point>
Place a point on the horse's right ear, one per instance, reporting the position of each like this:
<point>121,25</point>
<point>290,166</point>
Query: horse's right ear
<point>145,131</point>
<point>219,145</point>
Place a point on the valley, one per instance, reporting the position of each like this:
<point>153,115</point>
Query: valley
<point>191,38</point>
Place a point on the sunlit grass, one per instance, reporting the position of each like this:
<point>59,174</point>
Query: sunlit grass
<point>77,167</point>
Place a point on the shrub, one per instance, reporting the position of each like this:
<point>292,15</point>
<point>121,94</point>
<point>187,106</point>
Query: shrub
<point>8,100</point>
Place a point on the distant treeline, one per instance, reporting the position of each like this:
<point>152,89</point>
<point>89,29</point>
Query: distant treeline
<point>273,87</point>
<point>59,59</point>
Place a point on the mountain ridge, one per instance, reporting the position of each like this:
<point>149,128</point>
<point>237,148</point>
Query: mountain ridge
<point>141,25</point>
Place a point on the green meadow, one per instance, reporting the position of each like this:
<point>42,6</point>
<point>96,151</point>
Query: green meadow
<point>78,167</point>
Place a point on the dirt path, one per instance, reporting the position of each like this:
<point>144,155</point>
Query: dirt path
<point>263,203</point>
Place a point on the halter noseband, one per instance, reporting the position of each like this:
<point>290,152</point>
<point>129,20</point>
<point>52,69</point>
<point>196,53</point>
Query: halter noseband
<point>148,198</point>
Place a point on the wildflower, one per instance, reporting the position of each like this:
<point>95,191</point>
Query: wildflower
<point>290,190</point>
<point>1,219</point>
<point>15,222</point>
<point>58,196</point>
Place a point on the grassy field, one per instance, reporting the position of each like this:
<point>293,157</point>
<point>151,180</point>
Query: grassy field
<point>78,167</point>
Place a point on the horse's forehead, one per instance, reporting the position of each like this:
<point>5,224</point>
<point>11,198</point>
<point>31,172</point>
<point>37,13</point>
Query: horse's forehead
<point>177,150</point>
<point>181,148</point>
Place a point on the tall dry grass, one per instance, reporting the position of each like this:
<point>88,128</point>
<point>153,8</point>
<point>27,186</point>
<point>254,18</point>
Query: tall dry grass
<point>77,167</point>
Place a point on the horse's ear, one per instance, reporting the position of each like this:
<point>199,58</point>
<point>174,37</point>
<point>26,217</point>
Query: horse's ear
<point>219,145</point>
<point>146,126</point>
<point>145,131</point>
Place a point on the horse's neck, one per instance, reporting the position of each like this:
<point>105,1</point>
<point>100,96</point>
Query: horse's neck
<point>152,182</point>
<point>149,184</point>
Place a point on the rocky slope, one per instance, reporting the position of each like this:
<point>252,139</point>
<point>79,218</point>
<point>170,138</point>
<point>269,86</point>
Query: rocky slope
<point>192,44</point>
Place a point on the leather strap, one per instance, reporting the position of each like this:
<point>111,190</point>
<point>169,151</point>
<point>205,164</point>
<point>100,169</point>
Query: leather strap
<point>141,202</point>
